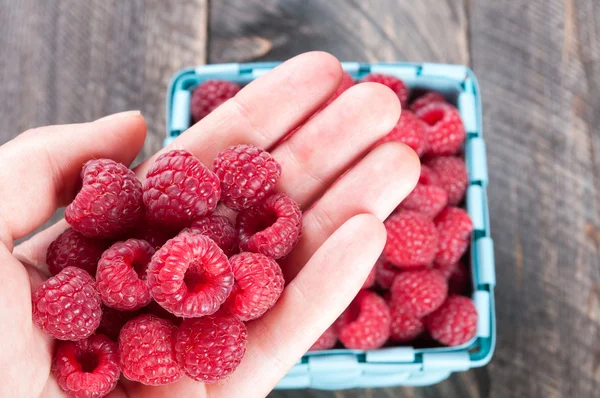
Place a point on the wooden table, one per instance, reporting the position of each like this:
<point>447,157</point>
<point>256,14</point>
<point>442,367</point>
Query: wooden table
<point>538,63</point>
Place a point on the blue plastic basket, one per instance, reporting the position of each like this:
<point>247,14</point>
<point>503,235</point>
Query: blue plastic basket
<point>408,366</point>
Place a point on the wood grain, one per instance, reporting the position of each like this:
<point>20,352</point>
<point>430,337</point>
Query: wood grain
<point>72,61</point>
<point>538,63</point>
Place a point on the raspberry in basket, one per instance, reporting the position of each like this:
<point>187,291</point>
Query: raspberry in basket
<point>452,175</point>
<point>87,368</point>
<point>454,227</point>
<point>445,130</point>
<point>179,188</point>
<point>209,349</point>
<point>365,324</point>
<point>272,228</point>
<point>258,284</point>
<point>67,305</point>
<point>147,351</point>
<point>72,249</point>
<point>190,276</point>
<point>209,95</point>
<point>121,276</point>
<point>426,199</point>
<point>455,322</point>
<point>248,175</point>
<point>429,97</point>
<point>405,326</point>
<point>109,202</point>
<point>412,240</point>
<point>457,276</point>
<point>419,292</point>
<point>219,229</point>
<point>397,85</point>
<point>409,130</point>
<point>326,341</point>
<point>385,272</point>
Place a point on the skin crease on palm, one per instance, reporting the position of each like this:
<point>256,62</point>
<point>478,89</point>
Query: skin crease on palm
<point>345,196</point>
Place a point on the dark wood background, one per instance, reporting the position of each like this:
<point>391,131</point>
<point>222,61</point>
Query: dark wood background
<point>538,63</point>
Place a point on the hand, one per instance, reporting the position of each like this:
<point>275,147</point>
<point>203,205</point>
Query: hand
<point>344,195</point>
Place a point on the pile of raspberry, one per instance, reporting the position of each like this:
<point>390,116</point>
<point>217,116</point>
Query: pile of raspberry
<point>416,293</point>
<point>154,279</point>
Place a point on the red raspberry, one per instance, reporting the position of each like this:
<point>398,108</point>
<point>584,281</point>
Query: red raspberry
<point>72,249</point>
<point>109,202</point>
<point>67,305</point>
<point>454,227</point>
<point>326,341</point>
<point>178,189</point>
<point>405,326</point>
<point>248,175</point>
<point>209,95</point>
<point>411,240</point>
<point>219,229</point>
<point>190,276</point>
<point>452,174</point>
<point>155,309</point>
<point>370,281</point>
<point>397,85</point>
<point>419,292</point>
<point>155,234</point>
<point>347,82</point>
<point>429,177</point>
<point>365,324</point>
<point>258,284</point>
<point>426,199</point>
<point>147,351</point>
<point>455,322</point>
<point>87,368</point>
<point>209,349</point>
<point>445,132</point>
<point>272,228</point>
<point>121,276</point>
<point>409,130</point>
<point>385,272</point>
<point>113,320</point>
<point>429,97</point>
<point>457,276</point>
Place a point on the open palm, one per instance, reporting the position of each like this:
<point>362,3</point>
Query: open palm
<point>344,194</point>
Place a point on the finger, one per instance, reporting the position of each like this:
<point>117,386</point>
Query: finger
<point>344,130</point>
<point>308,306</point>
<point>39,168</point>
<point>266,109</point>
<point>376,185</point>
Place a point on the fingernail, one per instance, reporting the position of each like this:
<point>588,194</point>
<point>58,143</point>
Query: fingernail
<point>119,115</point>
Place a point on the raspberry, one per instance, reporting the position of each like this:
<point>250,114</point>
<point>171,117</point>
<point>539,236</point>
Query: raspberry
<point>155,309</point>
<point>428,176</point>
<point>147,351</point>
<point>190,276</point>
<point>67,305</point>
<point>397,85</point>
<point>405,326</point>
<point>219,229</point>
<point>385,272</point>
<point>409,130</point>
<point>326,341</point>
<point>365,324</point>
<point>156,235</point>
<point>72,249</point>
<point>272,228</point>
<point>209,95</point>
<point>121,276</point>
<point>347,82</point>
<point>87,368</point>
<point>457,276</point>
<point>429,97</point>
<point>178,189</point>
<point>109,202</point>
<point>426,199</point>
<point>113,320</point>
<point>411,240</point>
<point>452,175</point>
<point>370,281</point>
<point>455,322</point>
<point>248,175</point>
<point>445,132</point>
<point>419,292</point>
<point>209,349</point>
<point>454,227</point>
<point>258,284</point>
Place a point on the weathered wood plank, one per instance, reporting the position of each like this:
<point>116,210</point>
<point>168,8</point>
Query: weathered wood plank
<point>71,61</point>
<point>375,30</point>
<point>539,67</point>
